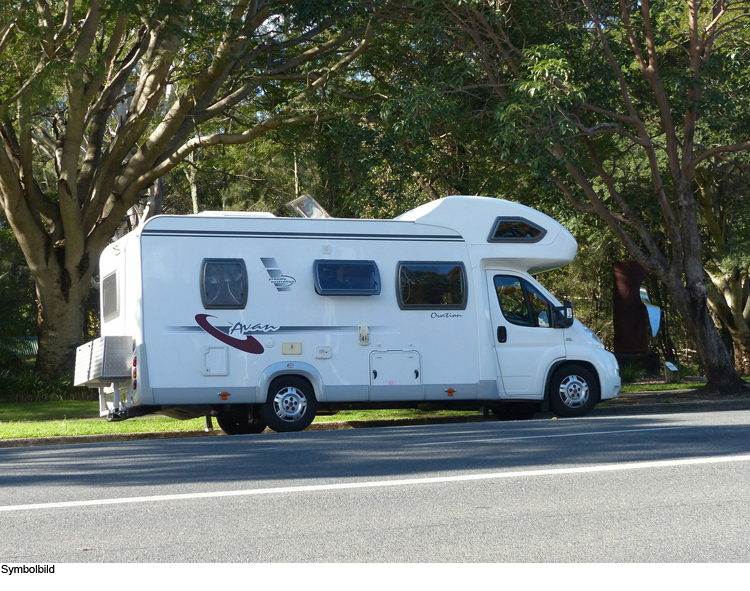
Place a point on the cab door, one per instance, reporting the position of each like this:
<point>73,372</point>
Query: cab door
<point>525,343</point>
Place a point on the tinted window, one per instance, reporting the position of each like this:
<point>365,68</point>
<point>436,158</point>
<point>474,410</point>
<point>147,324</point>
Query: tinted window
<point>520,302</point>
<point>110,301</point>
<point>224,283</point>
<point>515,230</point>
<point>432,285</point>
<point>346,277</point>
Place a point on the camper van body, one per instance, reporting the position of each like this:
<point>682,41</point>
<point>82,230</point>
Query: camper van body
<point>259,320</point>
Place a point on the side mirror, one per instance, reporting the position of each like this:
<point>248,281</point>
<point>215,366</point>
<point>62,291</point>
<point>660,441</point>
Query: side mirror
<point>562,316</point>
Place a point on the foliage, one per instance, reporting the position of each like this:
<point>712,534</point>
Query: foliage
<point>631,373</point>
<point>102,99</point>
<point>376,107</point>
<point>618,107</point>
<point>17,313</point>
<point>21,384</point>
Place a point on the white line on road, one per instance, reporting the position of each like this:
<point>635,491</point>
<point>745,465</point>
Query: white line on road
<point>500,439</point>
<point>381,483</point>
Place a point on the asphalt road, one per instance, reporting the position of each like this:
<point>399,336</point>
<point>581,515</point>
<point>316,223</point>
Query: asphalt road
<point>651,488</point>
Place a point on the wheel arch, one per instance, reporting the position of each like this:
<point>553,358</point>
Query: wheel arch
<point>302,370</point>
<point>563,362</point>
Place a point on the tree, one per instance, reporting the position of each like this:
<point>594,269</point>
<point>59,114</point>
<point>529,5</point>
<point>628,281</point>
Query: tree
<point>100,99</point>
<point>724,203</point>
<point>626,108</point>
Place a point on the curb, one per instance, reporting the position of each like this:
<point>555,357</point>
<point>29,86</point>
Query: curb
<point>671,407</point>
<point>603,409</point>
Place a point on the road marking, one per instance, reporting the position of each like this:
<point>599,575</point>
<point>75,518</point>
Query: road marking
<point>381,483</point>
<point>500,439</point>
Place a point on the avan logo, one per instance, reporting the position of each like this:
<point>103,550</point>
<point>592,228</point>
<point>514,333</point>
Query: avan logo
<point>281,282</point>
<point>248,344</point>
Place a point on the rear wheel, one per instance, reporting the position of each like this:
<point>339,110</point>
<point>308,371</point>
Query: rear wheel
<point>244,420</point>
<point>291,404</point>
<point>573,391</point>
<point>515,412</point>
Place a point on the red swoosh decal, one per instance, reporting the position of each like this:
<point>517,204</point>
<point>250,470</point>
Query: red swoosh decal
<point>248,344</point>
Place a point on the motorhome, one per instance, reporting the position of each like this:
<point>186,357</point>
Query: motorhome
<point>264,321</point>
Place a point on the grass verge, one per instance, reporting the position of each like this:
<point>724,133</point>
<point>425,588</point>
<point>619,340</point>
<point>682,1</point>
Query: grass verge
<point>81,417</point>
<point>74,418</point>
<point>630,388</point>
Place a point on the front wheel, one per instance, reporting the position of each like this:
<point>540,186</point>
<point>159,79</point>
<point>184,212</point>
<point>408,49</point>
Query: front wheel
<point>573,391</point>
<point>290,406</point>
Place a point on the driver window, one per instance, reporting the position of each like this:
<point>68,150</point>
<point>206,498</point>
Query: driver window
<point>539,306</point>
<point>512,301</point>
<point>521,303</point>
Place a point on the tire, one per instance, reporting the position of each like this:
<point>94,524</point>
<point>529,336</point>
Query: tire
<point>573,391</point>
<point>241,421</point>
<point>514,412</point>
<point>290,405</point>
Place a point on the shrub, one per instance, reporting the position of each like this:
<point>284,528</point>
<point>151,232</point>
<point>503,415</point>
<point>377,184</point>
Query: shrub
<point>18,384</point>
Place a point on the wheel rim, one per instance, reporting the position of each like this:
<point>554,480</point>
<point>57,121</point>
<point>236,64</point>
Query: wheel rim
<point>574,391</point>
<point>290,404</point>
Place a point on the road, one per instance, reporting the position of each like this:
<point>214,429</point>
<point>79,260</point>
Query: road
<point>658,488</point>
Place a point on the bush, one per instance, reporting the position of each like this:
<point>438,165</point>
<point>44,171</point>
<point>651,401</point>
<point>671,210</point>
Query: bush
<point>18,384</point>
<point>631,373</point>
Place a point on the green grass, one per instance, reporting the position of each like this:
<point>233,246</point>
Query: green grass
<point>48,411</point>
<point>659,387</point>
<point>78,427</point>
<point>74,418</point>
<point>81,417</point>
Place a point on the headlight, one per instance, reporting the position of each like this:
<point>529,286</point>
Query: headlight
<point>594,336</point>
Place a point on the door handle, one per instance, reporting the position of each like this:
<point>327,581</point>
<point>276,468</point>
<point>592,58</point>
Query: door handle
<point>502,334</point>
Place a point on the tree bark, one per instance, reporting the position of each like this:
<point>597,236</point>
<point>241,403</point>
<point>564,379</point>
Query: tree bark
<point>60,327</point>
<point>692,305</point>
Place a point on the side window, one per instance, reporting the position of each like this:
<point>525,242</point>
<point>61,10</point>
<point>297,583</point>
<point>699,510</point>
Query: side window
<point>110,298</point>
<point>224,284</point>
<point>539,306</point>
<point>521,303</point>
<point>346,277</point>
<point>512,301</point>
<point>515,229</point>
<point>431,285</point>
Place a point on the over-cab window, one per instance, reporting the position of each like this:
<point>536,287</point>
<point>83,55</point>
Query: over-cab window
<point>346,277</point>
<point>224,284</point>
<point>521,302</point>
<point>110,298</point>
<point>432,285</point>
<point>515,229</point>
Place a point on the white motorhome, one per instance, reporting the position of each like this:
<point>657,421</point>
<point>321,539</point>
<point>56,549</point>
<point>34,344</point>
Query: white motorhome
<point>264,321</point>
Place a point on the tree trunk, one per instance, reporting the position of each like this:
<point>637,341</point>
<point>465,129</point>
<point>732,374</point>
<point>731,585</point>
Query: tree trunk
<point>191,174</point>
<point>741,345</point>
<point>60,324</point>
<point>728,299</point>
<point>692,304</point>
<point>59,331</point>
<point>742,358</point>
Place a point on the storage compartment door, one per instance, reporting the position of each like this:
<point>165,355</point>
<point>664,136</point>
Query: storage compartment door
<point>395,375</point>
